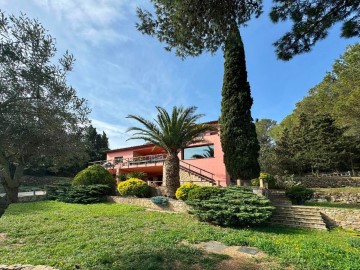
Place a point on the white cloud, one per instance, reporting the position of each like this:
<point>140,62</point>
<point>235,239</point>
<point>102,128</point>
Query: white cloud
<point>90,19</point>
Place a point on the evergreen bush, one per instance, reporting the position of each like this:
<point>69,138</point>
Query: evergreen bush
<point>160,200</point>
<point>234,207</point>
<point>134,187</point>
<point>94,175</point>
<point>299,194</point>
<point>77,194</point>
<point>182,192</point>
<point>203,193</point>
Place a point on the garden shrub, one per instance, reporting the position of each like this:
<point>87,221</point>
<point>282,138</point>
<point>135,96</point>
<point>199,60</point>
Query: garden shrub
<point>299,194</point>
<point>203,193</point>
<point>266,177</point>
<point>160,200</point>
<point>77,194</point>
<point>94,175</point>
<point>183,191</point>
<point>234,207</point>
<point>134,187</point>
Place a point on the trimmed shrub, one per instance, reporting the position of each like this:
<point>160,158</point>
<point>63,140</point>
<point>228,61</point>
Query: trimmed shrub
<point>134,187</point>
<point>94,175</point>
<point>183,191</point>
<point>77,194</point>
<point>299,194</point>
<point>138,175</point>
<point>266,177</point>
<point>160,200</point>
<point>234,207</point>
<point>204,193</point>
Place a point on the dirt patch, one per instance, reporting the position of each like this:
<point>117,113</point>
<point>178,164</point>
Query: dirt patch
<point>241,257</point>
<point>3,237</point>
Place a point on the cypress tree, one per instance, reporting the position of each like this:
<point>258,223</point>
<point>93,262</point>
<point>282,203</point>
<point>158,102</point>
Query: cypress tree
<point>238,135</point>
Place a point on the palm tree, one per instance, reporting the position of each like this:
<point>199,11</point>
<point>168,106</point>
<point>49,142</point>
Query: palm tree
<point>172,133</point>
<point>209,152</point>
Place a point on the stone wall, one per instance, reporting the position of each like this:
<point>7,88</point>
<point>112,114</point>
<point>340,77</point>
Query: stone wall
<point>33,198</point>
<point>25,267</point>
<point>339,197</point>
<point>174,205</point>
<point>345,218</point>
<point>329,182</point>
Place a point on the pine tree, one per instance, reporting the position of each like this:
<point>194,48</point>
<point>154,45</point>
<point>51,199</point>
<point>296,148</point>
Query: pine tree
<point>238,135</point>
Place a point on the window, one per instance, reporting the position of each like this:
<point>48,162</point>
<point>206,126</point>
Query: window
<point>204,151</point>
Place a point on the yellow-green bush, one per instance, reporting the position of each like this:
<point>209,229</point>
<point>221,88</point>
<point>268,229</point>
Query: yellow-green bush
<point>94,175</point>
<point>182,192</point>
<point>134,187</point>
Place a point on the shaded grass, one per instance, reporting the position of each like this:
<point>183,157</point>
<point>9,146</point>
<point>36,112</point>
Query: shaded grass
<point>333,204</point>
<point>115,236</point>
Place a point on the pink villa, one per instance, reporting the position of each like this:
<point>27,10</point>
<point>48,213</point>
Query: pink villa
<point>200,163</point>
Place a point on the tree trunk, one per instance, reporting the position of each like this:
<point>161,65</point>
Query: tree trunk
<point>3,205</point>
<point>172,174</point>
<point>10,180</point>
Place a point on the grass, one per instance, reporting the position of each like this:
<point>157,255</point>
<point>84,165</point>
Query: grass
<point>333,204</point>
<point>115,236</point>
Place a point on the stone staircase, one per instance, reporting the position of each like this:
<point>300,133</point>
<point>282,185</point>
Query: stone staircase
<point>297,216</point>
<point>199,176</point>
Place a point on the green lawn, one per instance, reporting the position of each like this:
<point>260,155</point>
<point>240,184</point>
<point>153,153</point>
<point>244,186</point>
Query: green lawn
<point>114,236</point>
<point>352,190</point>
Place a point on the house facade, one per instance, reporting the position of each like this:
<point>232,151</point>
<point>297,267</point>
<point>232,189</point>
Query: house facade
<point>201,163</point>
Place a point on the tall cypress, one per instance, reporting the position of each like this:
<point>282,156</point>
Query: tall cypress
<point>238,135</point>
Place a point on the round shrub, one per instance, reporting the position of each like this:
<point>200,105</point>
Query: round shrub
<point>299,194</point>
<point>160,200</point>
<point>183,191</point>
<point>234,207</point>
<point>133,187</point>
<point>93,175</point>
<point>203,193</point>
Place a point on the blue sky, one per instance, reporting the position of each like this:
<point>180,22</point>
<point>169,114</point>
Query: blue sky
<point>121,72</point>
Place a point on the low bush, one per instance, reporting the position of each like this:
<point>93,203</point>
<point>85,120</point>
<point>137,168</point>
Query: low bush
<point>93,175</point>
<point>299,194</point>
<point>160,200</point>
<point>204,193</point>
<point>134,187</point>
<point>234,207</point>
<point>266,177</point>
<point>77,194</point>
<point>182,192</point>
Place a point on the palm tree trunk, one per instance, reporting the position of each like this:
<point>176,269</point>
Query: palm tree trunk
<point>172,174</point>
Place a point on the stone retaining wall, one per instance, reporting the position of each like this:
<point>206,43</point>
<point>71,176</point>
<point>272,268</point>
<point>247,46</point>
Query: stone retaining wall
<point>174,205</point>
<point>339,197</point>
<point>25,267</point>
<point>33,198</point>
<point>329,182</point>
<point>345,218</point>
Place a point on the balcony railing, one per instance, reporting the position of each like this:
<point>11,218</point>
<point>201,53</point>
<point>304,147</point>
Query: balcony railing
<point>141,161</point>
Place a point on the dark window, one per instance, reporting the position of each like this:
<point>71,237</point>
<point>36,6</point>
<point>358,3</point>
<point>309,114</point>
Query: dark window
<point>204,151</point>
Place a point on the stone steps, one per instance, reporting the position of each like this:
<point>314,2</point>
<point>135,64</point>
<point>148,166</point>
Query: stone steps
<point>298,217</point>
